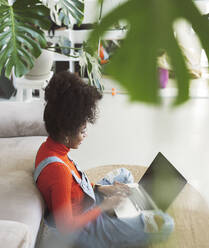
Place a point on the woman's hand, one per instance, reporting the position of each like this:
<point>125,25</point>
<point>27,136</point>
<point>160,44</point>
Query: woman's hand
<point>115,189</point>
<point>111,202</point>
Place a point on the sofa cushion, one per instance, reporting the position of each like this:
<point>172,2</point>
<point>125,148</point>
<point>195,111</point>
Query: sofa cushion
<point>19,153</point>
<point>14,234</point>
<point>21,200</point>
<point>22,119</point>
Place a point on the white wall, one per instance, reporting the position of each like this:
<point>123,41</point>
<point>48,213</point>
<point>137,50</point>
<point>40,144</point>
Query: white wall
<point>133,133</point>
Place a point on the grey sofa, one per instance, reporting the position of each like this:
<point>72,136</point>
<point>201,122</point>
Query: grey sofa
<point>21,209</point>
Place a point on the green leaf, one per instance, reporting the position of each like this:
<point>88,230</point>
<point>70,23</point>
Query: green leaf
<point>3,26</point>
<point>34,33</point>
<point>181,71</point>
<point>31,44</point>
<point>9,67</point>
<point>74,11</point>
<point>4,2</point>
<point>23,22</point>
<point>45,23</point>
<point>63,11</point>
<point>4,54</point>
<point>4,38</point>
<point>20,68</point>
<point>89,65</point>
<point>79,5</point>
<point>27,58</point>
<point>150,24</point>
<point>23,36</point>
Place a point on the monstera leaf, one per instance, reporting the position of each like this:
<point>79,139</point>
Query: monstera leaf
<point>21,38</point>
<point>91,64</point>
<point>150,30</point>
<point>65,11</point>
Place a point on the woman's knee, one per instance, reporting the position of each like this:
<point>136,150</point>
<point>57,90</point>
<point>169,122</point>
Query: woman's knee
<point>158,225</point>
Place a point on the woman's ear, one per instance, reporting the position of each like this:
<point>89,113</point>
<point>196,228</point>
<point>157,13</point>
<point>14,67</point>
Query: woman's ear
<point>67,140</point>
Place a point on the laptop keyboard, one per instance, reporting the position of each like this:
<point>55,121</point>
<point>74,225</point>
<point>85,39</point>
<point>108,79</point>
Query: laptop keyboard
<point>139,200</point>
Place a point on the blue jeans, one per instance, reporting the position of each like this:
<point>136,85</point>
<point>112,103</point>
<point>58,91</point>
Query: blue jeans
<point>112,232</point>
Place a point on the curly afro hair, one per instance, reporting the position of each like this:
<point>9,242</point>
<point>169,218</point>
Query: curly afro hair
<point>70,103</point>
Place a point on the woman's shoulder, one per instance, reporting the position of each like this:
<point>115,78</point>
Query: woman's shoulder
<point>56,162</point>
<point>55,172</point>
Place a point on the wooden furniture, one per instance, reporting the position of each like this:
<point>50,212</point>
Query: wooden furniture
<point>189,210</point>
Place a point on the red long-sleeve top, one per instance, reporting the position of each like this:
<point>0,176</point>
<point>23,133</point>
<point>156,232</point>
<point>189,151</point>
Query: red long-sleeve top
<point>62,194</point>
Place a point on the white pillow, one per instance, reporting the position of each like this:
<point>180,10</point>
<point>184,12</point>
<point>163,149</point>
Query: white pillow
<point>14,234</point>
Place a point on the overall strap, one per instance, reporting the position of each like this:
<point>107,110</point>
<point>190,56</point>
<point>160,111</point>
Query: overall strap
<point>83,182</point>
<point>43,164</point>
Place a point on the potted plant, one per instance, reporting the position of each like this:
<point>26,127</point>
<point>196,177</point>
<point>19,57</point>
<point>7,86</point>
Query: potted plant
<point>22,36</point>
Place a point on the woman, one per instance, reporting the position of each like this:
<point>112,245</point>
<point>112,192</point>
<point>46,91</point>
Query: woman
<point>76,208</point>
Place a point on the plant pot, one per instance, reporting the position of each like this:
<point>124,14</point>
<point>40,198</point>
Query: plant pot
<point>42,66</point>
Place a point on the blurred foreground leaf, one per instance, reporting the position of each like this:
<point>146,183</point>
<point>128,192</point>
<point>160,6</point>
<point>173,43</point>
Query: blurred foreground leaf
<point>150,30</point>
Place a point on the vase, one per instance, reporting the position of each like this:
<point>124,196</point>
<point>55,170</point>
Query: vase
<point>42,67</point>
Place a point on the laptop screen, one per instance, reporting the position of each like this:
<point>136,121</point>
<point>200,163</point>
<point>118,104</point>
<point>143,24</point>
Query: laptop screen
<point>162,181</point>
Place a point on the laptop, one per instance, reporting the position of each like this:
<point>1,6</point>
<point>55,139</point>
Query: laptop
<point>157,189</point>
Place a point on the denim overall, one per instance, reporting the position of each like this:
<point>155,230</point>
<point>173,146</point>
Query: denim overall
<point>108,231</point>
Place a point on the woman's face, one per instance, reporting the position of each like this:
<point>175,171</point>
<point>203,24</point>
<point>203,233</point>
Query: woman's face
<point>75,141</point>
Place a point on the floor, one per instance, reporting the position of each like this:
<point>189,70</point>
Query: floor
<point>133,133</point>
